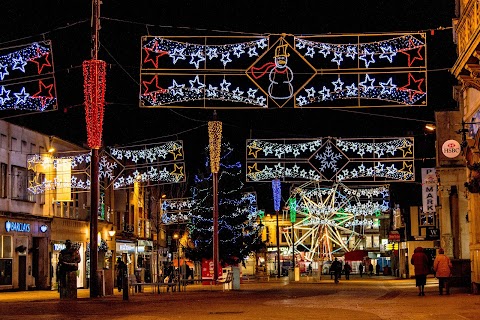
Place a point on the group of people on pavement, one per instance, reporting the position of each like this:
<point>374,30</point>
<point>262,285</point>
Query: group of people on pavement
<point>442,267</point>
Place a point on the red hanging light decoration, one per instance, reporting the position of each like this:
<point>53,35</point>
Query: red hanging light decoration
<point>94,84</point>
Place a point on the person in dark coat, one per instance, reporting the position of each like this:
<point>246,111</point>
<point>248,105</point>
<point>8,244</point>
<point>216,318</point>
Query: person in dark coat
<point>347,268</point>
<point>377,269</point>
<point>360,269</point>
<point>420,262</point>
<point>121,270</point>
<point>336,268</point>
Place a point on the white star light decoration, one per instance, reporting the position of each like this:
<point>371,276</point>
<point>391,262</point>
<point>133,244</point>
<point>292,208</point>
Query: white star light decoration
<point>197,54</point>
<point>368,54</point>
<point>203,87</point>
<point>387,159</point>
<point>194,90</point>
<point>17,61</point>
<point>155,170</point>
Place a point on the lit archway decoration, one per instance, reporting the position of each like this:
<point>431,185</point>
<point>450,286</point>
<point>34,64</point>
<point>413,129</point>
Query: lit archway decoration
<point>94,84</point>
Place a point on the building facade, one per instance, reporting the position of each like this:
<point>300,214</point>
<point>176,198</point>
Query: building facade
<point>466,69</point>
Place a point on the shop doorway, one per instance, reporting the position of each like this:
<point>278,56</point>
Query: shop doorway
<point>22,272</point>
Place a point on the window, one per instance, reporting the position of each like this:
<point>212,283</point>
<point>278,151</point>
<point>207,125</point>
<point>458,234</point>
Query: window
<point>24,147</point>
<point>6,254</point>
<point>20,178</point>
<point>3,180</point>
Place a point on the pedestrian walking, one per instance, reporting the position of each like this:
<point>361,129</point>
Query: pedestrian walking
<point>377,269</point>
<point>347,268</point>
<point>420,262</point>
<point>360,269</point>
<point>443,271</point>
<point>336,268</point>
<point>370,269</point>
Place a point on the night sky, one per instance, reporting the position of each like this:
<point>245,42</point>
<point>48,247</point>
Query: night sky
<point>67,25</point>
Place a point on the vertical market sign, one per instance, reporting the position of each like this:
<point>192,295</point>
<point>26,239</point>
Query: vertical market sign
<point>429,190</point>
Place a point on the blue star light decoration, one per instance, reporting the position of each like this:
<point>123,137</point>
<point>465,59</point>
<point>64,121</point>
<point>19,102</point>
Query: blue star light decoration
<point>26,78</point>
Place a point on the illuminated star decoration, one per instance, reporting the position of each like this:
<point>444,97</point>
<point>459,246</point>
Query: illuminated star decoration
<point>200,87</point>
<point>347,160</point>
<point>122,167</point>
<point>368,55</point>
<point>28,90</point>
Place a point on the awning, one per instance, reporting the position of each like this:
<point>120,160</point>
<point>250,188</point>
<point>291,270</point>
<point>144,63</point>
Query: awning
<point>356,255</point>
<point>188,263</point>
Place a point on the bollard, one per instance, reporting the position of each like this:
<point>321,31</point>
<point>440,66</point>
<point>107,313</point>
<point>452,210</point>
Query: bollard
<point>125,286</point>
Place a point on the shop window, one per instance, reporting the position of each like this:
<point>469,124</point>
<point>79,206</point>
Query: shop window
<point>6,254</point>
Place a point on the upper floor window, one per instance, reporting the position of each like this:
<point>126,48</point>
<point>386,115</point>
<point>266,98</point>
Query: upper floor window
<point>20,178</point>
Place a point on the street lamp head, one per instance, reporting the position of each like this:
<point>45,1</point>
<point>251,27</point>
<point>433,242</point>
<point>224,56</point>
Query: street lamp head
<point>112,233</point>
<point>176,236</point>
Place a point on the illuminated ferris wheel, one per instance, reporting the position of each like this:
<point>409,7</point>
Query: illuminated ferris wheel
<point>332,219</point>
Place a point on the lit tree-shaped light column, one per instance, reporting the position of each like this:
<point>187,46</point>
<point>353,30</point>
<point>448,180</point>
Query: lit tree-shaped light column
<point>94,72</point>
<point>215,144</point>
<point>94,76</point>
<point>277,194</point>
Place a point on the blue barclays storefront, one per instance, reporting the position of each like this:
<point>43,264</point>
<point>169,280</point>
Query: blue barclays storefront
<point>24,252</point>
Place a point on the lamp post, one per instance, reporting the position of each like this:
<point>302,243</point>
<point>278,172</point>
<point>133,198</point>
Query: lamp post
<point>215,144</point>
<point>176,236</point>
<point>293,217</point>
<point>159,215</point>
<point>277,193</point>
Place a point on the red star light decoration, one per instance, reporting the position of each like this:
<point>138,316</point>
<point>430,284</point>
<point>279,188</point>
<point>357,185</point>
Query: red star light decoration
<point>408,87</point>
<point>418,55</point>
<point>44,92</point>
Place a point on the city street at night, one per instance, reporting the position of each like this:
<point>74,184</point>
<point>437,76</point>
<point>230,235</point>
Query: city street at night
<point>357,298</point>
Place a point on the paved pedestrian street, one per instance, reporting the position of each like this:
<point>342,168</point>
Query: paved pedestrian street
<point>357,298</point>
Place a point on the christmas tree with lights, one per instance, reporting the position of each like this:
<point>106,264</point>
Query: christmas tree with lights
<point>239,228</point>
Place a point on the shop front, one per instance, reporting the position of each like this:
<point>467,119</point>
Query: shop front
<point>58,246</point>
<point>24,257</point>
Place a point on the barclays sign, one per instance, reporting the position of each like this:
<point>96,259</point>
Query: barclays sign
<point>11,226</point>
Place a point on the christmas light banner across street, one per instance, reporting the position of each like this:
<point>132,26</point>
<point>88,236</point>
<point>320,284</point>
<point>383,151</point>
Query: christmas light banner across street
<point>331,159</point>
<point>348,70</point>
<point>27,79</point>
<point>159,163</point>
<point>180,210</point>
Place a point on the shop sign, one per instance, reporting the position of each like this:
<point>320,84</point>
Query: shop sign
<point>11,226</point>
<point>43,228</point>
<point>58,246</point>
<point>125,247</point>
<point>433,233</point>
<point>429,189</point>
<point>451,148</point>
<point>394,236</point>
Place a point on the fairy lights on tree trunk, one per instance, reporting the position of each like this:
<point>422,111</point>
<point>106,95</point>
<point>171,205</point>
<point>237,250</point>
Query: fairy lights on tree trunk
<point>215,143</point>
